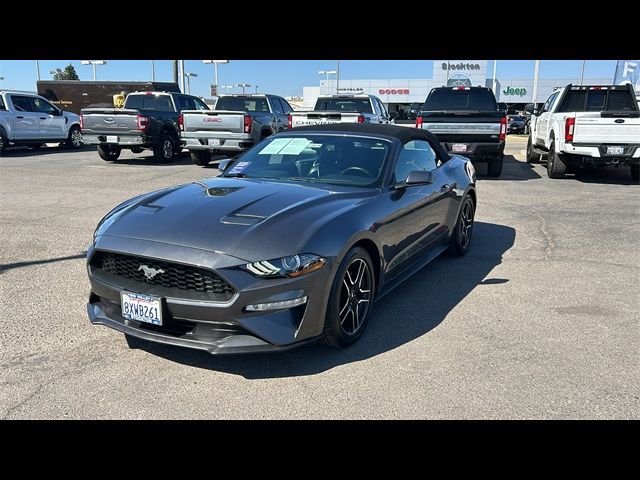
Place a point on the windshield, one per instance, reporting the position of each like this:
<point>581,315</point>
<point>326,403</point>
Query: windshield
<point>243,104</point>
<point>362,105</point>
<point>334,159</point>
<point>451,99</point>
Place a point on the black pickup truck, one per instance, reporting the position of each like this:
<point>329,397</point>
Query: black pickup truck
<point>467,122</point>
<point>149,120</point>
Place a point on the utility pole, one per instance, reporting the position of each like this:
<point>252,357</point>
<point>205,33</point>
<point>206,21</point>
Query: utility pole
<point>495,67</point>
<point>536,71</point>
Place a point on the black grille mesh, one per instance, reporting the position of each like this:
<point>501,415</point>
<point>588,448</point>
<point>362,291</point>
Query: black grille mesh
<point>175,275</point>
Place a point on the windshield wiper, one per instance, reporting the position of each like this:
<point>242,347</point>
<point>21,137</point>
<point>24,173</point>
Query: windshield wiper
<point>300,179</point>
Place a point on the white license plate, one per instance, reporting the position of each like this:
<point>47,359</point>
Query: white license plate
<point>214,142</point>
<point>611,150</point>
<point>142,308</point>
<point>112,139</point>
<point>459,147</point>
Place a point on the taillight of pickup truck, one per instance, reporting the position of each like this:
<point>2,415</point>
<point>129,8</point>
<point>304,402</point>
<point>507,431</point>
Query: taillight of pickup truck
<point>143,122</point>
<point>181,122</point>
<point>503,129</point>
<point>569,125</point>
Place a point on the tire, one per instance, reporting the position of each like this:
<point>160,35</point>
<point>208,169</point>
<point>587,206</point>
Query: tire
<point>74,140</point>
<point>343,324</point>
<point>532,157</point>
<point>165,150</point>
<point>137,150</point>
<point>635,173</point>
<point>201,157</point>
<point>556,167</point>
<point>494,168</point>
<point>461,236</point>
<point>108,153</point>
<point>3,141</point>
<point>133,342</point>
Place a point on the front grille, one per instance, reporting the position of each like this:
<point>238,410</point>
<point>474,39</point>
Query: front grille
<point>173,275</point>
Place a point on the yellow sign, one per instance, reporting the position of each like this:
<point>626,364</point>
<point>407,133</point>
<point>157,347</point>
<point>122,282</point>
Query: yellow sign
<point>118,100</point>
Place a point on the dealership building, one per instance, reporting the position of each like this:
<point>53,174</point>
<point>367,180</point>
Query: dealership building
<point>399,94</point>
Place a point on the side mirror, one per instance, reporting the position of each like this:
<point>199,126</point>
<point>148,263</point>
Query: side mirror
<point>223,164</point>
<point>417,177</point>
<point>530,109</point>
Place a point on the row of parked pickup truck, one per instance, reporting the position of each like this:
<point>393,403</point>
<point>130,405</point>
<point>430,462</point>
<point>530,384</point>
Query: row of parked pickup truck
<point>577,126</point>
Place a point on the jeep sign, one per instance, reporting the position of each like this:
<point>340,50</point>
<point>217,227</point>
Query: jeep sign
<point>520,91</point>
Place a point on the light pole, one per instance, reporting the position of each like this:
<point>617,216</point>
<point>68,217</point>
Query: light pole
<point>153,70</point>
<point>327,73</point>
<point>38,69</point>
<point>93,63</point>
<point>243,85</point>
<point>257,88</point>
<point>337,76</point>
<point>495,67</point>
<point>189,75</point>
<point>226,88</point>
<point>536,71</point>
<point>215,68</point>
<point>582,71</point>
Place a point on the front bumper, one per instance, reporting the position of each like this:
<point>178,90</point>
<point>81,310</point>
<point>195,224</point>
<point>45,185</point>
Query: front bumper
<point>211,326</point>
<point>230,142</point>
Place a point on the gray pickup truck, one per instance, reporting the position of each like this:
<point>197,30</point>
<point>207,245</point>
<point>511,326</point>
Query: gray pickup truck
<point>342,109</point>
<point>236,124</point>
<point>149,120</point>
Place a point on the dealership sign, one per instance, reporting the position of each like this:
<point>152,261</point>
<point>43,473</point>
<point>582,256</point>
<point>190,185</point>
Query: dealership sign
<point>393,91</point>
<point>519,91</point>
<point>351,90</point>
<point>461,66</point>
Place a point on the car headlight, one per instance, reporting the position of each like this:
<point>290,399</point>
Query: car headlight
<point>292,266</point>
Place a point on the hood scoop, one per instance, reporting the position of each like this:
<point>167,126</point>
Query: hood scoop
<point>241,219</point>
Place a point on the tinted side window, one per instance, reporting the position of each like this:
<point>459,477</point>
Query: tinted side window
<point>415,155</point>
<point>2,107</point>
<point>157,103</point>
<point>285,106</point>
<point>185,103</point>
<point>199,104</point>
<point>21,104</point>
<point>275,104</point>
<point>42,106</point>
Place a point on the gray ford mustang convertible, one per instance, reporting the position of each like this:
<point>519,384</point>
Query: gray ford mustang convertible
<point>293,242</point>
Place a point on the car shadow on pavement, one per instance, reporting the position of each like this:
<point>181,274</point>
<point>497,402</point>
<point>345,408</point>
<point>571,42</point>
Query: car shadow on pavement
<point>21,151</point>
<point>146,158</point>
<point>405,314</point>
<point>512,169</point>
<point>28,263</point>
<point>605,176</point>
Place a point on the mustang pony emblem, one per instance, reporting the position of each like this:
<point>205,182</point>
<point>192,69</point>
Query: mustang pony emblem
<point>150,272</point>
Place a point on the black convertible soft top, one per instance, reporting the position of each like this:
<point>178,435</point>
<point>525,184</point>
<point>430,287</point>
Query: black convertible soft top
<point>403,134</point>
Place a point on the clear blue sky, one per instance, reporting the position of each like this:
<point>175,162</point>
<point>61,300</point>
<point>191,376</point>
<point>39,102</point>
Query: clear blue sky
<point>283,77</point>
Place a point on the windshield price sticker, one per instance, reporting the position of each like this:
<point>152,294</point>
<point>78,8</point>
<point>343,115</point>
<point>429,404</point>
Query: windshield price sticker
<point>275,146</point>
<point>295,146</point>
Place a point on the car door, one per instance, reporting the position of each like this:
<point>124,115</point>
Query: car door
<point>420,212</point>
<point>52,122</point>
<point>542,123</point>
<point>26,122</point>
<point>279,118</point>
<point>286,108</point>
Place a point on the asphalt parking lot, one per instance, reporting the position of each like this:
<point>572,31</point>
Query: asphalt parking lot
<point>539,320</point>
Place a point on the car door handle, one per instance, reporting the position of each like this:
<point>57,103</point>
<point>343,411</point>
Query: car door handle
<point>19,116</point>
<point>43,118</point>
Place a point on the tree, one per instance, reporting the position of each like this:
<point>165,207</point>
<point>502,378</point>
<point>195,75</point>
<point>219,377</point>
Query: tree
<point>69,73</point>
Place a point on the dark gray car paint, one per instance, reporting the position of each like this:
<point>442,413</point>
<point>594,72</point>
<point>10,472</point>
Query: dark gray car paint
<point>221,223</point>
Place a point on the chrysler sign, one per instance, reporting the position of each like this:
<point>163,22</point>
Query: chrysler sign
<point>393,91</point>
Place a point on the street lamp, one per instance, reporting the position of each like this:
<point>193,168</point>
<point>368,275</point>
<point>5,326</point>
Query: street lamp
<point>226,88</point>
<point>189,75</point>
<point>243,85</point>
<point>93,63</point>
<point>215,68</point>
<point>257,88</point>
<point>327,73</point>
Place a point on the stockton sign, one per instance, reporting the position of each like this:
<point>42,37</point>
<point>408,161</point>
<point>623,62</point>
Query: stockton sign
<point>520,91</point>
<point>461,66</point>
<point>393,91</point>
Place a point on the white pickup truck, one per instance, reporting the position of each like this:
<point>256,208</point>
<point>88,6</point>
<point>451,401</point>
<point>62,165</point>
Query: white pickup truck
<point>586,125</point>
<point>342,109</point>
<point>29,119</point>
